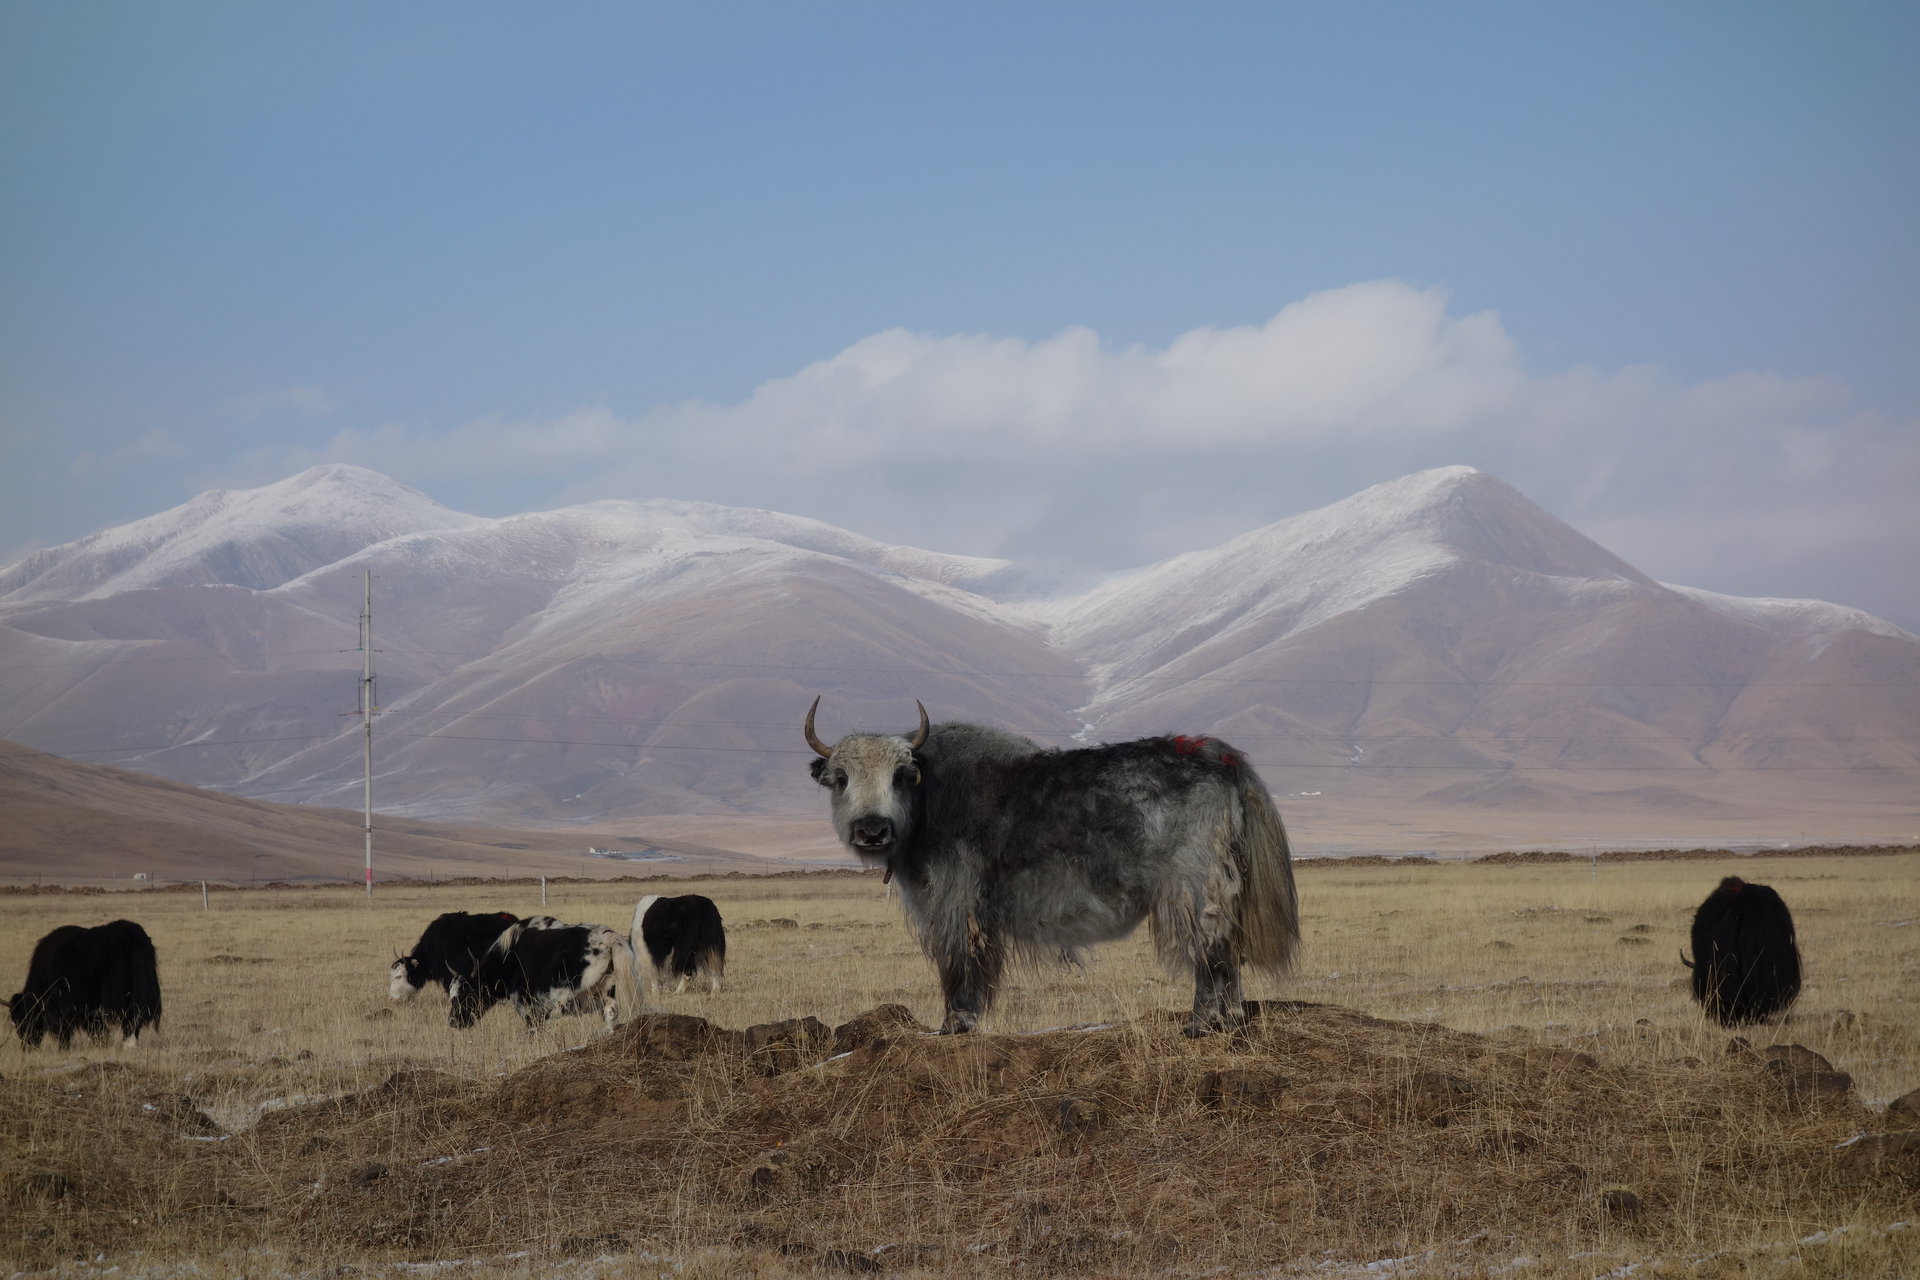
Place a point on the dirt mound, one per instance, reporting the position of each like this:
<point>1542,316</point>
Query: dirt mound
<point>875,1146</point>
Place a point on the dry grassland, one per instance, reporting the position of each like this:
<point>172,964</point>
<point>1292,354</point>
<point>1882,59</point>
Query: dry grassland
<point>1477,1070</point>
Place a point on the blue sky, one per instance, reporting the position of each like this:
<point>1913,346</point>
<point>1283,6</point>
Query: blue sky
<point>1083,282</point>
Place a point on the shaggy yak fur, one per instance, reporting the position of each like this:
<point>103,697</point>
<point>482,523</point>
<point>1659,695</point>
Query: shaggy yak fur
<point>1003,848</point>
<point>448,947</point>
<point>683,937</point>
<point>90,980</point>
<point>1745,964</point>
<point>544,968</point>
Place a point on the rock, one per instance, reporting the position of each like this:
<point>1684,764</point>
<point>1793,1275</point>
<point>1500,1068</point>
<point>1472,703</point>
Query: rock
<point>672,1037</point>
<point>1905,1108</point>
<point>899,1256</point>
<point>1619,1204</point>
<point>1079,1115</point>
<point>776,1047</point>
<point>1811,1087</point>
<point>1798,1057</point>
<point>769,1173</point>
<point>177,1111</point>
<point>1883,1155</point>
<point>885,1022</point>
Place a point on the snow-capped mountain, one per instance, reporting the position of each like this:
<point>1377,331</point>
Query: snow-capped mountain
<point>1438,639</point>
<point>255,538</point>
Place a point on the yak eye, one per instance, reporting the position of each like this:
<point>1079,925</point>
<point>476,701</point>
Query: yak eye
<point>838,781</point>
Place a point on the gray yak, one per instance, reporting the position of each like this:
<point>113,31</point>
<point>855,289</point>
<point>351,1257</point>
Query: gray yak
<point>1004,848</point>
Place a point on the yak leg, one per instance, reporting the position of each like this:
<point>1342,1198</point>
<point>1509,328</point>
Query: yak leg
<point>970,979</point>
<point>1217,1002</point>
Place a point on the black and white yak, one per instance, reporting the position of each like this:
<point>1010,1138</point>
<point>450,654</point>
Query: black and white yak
<point>544,968</point>
<point>93,980</point>
<point>1746,964</point>
<point>682,937</point>
<point>448,947</point>
<point>1003,848</point>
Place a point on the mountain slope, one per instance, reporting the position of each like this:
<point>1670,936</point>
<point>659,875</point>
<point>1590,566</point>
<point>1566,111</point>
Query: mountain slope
<point>254,538</point>
<point>79,822</point>
<point>1438,640</point>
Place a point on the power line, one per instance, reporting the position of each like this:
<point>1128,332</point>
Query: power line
<point>1371,766</point>
<point>979,673</point>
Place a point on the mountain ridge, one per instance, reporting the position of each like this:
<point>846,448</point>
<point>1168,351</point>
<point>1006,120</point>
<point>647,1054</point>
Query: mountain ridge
<point>1429,636</point>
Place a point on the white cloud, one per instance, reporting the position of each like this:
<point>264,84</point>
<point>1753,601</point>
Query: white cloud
<point>1068,447</point>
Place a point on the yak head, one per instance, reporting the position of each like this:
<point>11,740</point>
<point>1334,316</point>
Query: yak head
<point>29,1019</point>
<point>405,977</point>
<point>872,777</point>
<point>467,1001</point>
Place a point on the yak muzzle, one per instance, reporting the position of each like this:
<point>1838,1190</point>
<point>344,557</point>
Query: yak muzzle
<point>872,833</point>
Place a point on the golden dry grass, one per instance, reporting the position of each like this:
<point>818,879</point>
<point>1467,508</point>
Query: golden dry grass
<point>1487,1052</point>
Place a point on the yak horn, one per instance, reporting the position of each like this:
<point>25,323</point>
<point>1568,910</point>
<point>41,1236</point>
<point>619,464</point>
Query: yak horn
<point>919,738</point>
<point>813,739</point>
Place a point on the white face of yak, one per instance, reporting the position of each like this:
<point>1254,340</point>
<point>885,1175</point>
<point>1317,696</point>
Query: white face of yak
<point>871,779</point>
<point>399,984</point>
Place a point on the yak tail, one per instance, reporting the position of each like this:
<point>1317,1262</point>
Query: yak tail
<point>1269,914</point>
<point>628,995</point>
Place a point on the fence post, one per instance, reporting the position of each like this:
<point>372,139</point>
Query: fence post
<point>203,897</point>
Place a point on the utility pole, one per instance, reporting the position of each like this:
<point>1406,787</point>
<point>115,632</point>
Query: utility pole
<point>369,707</point>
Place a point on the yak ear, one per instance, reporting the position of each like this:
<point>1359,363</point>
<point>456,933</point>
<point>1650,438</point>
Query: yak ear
<point>817,767</point>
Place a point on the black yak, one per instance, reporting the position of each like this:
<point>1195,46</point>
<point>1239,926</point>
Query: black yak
<point>449,946</point>
<point>1004,848</point>
<point>1745,964</point>
<point>683,937</point>
<point>90,980</point>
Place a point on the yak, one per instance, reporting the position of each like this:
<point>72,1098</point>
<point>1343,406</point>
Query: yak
<point>544,968</point>
<point>683,937</point>
<point>1746,965</point>
<point>1006,849</point>
<point>88,980</point>
<point>449,946</point>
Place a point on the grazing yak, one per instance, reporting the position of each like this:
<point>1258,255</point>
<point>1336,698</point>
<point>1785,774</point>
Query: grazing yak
<point>1003,848</point>
<point>544,968</point>
<point>90,980</point>
<point>450,946</point>
<point>1746,966</point>
<point>683,937</point>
